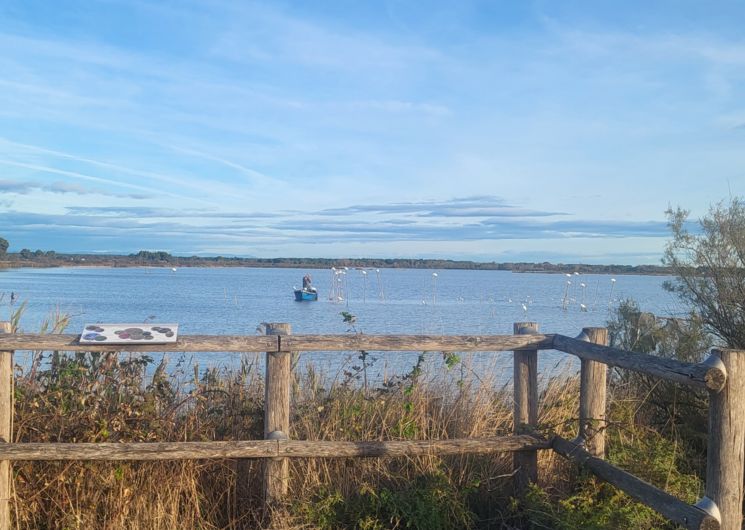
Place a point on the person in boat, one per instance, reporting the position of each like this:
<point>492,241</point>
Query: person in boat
<point>307,284</point>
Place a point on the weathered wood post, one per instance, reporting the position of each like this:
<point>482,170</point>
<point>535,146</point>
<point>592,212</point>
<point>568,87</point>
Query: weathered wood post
<point>6,427</point>
<point>724,456</point>
<point>277,416</point>
<point>592,390</point>
<point>525,463</point>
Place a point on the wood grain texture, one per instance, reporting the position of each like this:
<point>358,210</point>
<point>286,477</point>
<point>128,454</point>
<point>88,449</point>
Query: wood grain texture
<point>726,444</point>
<point>265,449</point>
<point>139,450</point>
<point>525,415</point>
<point>671,507</point>
<point>464,343</point>
<point>228,343</point>
<point>592,396</point>
<point>698,375</point>
<point>398,448</point>
<point>185,343</point>
<point>277,413</point>
<point>6,426</point>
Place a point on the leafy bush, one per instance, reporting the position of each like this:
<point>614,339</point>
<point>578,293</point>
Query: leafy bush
<point>595,505</point>
<point>431,502</point>
<point>709,265</point>
<point>678,411</point>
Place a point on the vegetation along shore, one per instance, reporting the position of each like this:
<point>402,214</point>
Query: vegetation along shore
<point>145,258</point>
<point>102,397</point>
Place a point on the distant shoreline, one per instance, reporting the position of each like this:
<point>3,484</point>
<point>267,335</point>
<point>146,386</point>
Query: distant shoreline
<point>165,260</point>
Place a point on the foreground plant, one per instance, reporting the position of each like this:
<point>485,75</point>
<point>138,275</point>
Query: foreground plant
<point>709,265</point>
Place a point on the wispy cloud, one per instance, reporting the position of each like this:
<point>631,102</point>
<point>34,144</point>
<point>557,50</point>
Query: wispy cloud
<point>487,231</point>
<point>284,127</point>
<point>18,148</point>
<point>208,229</point>
<point>479,206</point>
<point>278,35</point>
<point>26,187</point>
<point>141,212</point>
<point>74,174</point>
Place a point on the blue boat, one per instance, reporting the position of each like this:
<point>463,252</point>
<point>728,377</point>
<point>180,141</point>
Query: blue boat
<point>306,295</point>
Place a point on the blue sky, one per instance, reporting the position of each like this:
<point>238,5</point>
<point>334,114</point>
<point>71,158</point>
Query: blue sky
<point>490,130</point>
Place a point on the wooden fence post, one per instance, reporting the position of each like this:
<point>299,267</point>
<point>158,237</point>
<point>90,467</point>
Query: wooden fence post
<point>724,457</point>
<point>525,418</point>
<point>592,390</point>
<point>277,416</point>
<point>6,427</point>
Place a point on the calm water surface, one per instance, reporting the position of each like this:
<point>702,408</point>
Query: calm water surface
<point>396,301</point>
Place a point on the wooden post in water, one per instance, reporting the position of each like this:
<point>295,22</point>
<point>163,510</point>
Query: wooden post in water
<point>277,416</point>
<point>724,456</point>
<point>592,390</point>
<point>6,427</point>
<point>525,463</point>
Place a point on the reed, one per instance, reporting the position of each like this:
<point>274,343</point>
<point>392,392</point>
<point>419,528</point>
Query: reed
<point>105,397</point>
<point>97,397</point>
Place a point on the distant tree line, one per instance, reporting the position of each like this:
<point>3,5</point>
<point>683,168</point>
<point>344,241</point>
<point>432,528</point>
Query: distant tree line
<point>50,258</point>
<point>148,256</point>
<point>36,254</point>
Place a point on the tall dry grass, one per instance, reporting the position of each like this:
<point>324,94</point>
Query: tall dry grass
<point>107,397</point>
<point>110,398</point>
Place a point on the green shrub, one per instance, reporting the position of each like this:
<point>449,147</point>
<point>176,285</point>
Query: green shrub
<point>592,504</point>
<point>677,411</point>
<point>431,502</point>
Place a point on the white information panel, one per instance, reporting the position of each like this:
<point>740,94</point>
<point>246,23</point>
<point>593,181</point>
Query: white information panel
<point>129,334</point>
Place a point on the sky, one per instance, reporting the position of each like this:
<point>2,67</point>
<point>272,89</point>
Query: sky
<point>483,130</point>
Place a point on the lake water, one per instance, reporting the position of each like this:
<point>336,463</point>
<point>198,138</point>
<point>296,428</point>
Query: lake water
<point>395,301</point>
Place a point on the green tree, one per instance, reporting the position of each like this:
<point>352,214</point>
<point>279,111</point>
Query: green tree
<point>153,256</point>
<point>3,246</point>
<point>676,411</point>
<point>709,265</point>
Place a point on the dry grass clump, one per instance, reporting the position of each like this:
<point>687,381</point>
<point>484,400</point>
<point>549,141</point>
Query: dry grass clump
<point>90,397</point>
<point>110,398</point>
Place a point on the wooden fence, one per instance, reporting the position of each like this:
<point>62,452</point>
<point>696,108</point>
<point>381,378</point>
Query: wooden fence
<point>722,375</point>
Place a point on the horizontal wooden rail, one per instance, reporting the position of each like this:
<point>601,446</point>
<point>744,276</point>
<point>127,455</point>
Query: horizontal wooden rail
<point>674,509</point>
<point>264,449</point>
<point>414,342</point>
<point>186,343</point>
<point>270,343</point>
<point>276,448</point>
<point>702,375</point>
<point>720,374</point>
